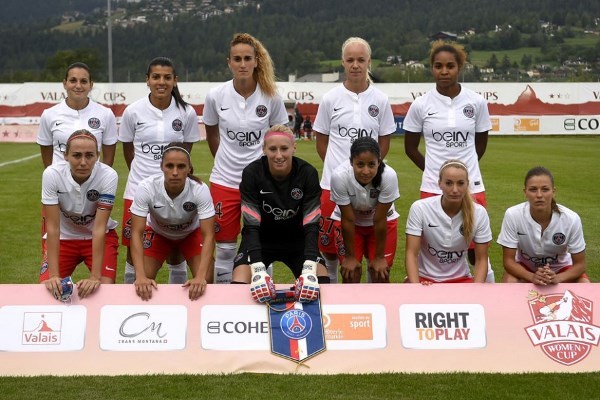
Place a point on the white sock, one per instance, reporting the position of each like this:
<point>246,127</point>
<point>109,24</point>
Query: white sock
<point>332,269</point>
<point>178,273</point>
<point>490,278</point>
<point>224,255</point>
<point>129,276</point>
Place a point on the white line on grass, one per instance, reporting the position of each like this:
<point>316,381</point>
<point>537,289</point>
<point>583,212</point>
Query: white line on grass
<point>19,160</point>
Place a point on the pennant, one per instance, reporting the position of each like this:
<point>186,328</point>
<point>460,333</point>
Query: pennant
<point>296,328</point>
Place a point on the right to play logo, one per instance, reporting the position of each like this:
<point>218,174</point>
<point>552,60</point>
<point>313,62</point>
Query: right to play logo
<point>562,326</point>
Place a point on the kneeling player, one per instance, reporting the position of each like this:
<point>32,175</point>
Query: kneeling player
<point>280,209</point>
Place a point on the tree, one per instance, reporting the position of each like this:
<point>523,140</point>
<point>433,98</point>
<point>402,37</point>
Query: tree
<point>526,61</point>
<point>58,63</point>
<point>492,62</point>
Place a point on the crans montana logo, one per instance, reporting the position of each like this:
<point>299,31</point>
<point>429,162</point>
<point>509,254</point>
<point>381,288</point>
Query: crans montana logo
<point>562,326</point>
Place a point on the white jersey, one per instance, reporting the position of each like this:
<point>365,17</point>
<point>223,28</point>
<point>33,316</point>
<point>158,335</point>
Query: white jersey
<point>60,121</point>
<point>449,127</point>
<point>345,190</point>
<point>443,253</point>
<point>554,246</point>
<point>242,127</point>
<point>78,203</point>
<point>172,218</point>
<point>151,129</point>
<point>344,116</point>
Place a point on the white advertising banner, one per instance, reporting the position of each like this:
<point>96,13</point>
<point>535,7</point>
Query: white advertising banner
<point>516,108</point>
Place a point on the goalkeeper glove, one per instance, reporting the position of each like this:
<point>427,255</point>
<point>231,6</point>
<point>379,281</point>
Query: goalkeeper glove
<point>306,288</point>
<point>261,286</point>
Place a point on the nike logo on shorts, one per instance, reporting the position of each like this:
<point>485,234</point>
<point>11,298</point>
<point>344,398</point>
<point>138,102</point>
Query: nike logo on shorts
<point>110,269</point>
<point>263,192</point>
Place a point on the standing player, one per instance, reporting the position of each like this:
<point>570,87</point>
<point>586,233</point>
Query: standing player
<point>542,242</point>
<point>365,190</point>
<point>440,228</point>
<point>76,112</point>
<point>236,115</point>
<point>148,125</point>
<point>347,112</point>
<point>78,196</point>
<point>280,206</point>
<point>172,210</point>
<point>454,122</point>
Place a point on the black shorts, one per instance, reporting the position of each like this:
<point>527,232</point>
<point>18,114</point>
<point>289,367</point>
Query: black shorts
<point>292,257</point>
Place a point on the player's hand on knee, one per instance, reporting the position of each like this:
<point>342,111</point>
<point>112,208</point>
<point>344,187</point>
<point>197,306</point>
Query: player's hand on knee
<point>262,286</point>
<point>306,287</point>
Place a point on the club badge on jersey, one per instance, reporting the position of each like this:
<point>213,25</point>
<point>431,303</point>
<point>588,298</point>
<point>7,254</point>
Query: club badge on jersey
<point>296,328</point>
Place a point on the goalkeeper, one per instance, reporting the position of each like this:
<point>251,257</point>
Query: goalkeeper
<point>280,211</point>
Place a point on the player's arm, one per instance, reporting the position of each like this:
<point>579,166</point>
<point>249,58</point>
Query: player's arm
<point>411,148</point>
<point>513,268</point>
<point>46,152</point>
<point>351,267</point>
<point>213,138</point>
<point>322,143</point>
<point>143,285</point>
<point>574,273</point>
<point>108,154</point>
<point>86,287</point>
<point>52,215</point>
<point>481,262</point>
<point>413,246</point>
<point>384,144</point>
<point>379,264</point>
<point>481,140</point>
<point>128,153</point>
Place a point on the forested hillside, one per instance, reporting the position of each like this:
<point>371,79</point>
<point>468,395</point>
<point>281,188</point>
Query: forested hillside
<point>298,33</point>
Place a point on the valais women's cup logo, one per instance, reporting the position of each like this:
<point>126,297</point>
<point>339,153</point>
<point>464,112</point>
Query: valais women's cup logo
<point>562,326</point>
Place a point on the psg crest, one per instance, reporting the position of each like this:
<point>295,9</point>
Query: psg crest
<point>296,328</point>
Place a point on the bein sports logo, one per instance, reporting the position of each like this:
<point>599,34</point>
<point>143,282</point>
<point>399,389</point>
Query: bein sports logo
<point>41,328</point>
<point>562,326</point>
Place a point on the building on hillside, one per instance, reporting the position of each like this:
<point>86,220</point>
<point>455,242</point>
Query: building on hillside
<point>444,36</point>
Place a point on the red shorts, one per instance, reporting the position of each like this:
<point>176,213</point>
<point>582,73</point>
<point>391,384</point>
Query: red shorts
<point>160,247</point>
<point>364,242</point>
<point>73,252</point>
<point>563,269</point>
<point>126,223</point>
<point>330,235</point>
<point>228,212</point>
<point>462,279</point>
<point>478,198</point>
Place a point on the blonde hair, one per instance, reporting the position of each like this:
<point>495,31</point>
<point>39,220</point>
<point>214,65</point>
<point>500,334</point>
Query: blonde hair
<point>467,206</point>
<point>454,48</point>
<point>264,73</point>
<point>355,39</point>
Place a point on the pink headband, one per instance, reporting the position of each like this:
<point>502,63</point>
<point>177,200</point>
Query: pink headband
<point>278,133</point>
